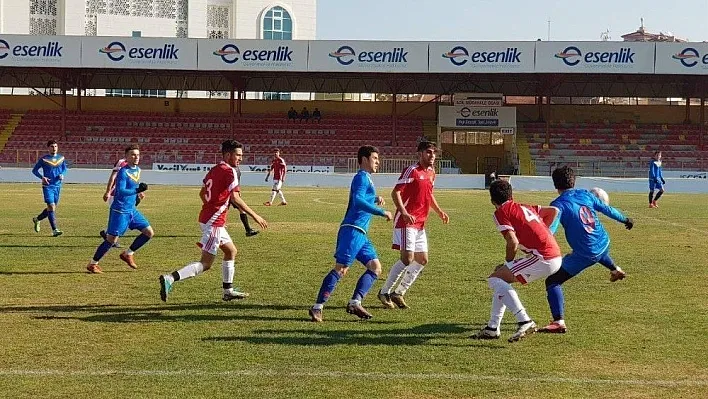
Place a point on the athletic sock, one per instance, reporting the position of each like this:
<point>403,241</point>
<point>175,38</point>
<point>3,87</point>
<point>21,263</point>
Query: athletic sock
<point>189,271</point>
<point>410,274</point>
<point>555,300</point>
<point>507,294</point>
<point>282,196</point>
<point>497,312</point>
<point>139,241</point>
<point>366,281</point>
<point>101,251</point>
<point>329,283</point>
<point>227,273</point>
<point>244,220</point>
<point>393,275</point>
<point>42,215</point>
<point>52,219</point>
<point>272,196</point>
<point>658,195</point>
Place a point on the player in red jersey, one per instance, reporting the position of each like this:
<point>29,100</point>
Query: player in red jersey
<point>413,196</point>
<point>218,191</point>
<point>525,228</point>
<point>278,168</point>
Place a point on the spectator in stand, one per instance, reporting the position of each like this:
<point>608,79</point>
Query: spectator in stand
<point>292,114</point>
<point>316,115</point>
<point>304,114</point>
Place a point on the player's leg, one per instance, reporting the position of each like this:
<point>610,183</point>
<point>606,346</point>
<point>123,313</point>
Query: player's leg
<point>209,243</point>
<point>280,193</point>
<point>413,269</point>
<point>117,226</point>
<point>51,210</point>
<point>349,242</point>
<point>660,187</point>
<point>137,222</point>
<point>651,194</point>
<point>369,258</point>
<point>616,273</point>
<point>228,267</point>
<point>572,264</point>
<point>402,241</point>
<point>45,212</point>
<point>273,192</point>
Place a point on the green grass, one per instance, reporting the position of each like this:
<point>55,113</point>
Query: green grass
<point>70,334</point>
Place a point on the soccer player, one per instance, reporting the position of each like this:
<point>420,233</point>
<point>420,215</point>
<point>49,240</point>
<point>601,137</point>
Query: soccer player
<point>217,192</point>
<point>352,242</point>
<point>53,167</point>
<point>413,197</point>
<point>525,228</point>
<point>656,179</point>
<point>242,215</point>
<point>588,240</point>
<point>110,189</point>
<point>278,168</point>
<point>123,215</point>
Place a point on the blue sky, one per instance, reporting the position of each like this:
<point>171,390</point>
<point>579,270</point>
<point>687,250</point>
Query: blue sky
<point>476,20</point>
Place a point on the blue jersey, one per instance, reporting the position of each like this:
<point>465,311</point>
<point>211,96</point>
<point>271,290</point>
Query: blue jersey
<point>583,229</point>
<point>127,182</point>
<point>655,175</point>
<point>52,167</point>
<point>362,202</point>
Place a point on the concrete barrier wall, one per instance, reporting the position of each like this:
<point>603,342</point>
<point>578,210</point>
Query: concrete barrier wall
<point>521,183</point>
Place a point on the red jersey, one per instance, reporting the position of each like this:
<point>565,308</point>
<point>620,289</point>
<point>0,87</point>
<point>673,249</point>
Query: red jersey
<point>278,168</point>
<point>416,188</point>
<point>533,235</point>
<point>116,168</point>
<point>218,185</point>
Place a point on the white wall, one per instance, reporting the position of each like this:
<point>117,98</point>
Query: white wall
<point>197,20</point>
<point>120,25</point>
<point>72,17</point>
<point>14,17</point>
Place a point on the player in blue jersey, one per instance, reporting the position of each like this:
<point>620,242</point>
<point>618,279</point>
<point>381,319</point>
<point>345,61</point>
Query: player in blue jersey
<point>656,179</point>
<point>123,214</point>
<point>586,236</point>
<point>53,167</point>
<point>352,241</point>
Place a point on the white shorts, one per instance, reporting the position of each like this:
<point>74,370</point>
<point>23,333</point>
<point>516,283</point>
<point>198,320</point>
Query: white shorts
<point>277,184</point>
<point>534,267</point>
<point>410,239</point>
<point>212,238</point>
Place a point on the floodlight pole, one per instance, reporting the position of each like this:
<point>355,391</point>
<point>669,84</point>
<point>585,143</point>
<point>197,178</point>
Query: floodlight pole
<point>702,127</point>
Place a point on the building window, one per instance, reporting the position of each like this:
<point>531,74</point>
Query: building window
<point>43,17</point>
<point>136,93</point>
<point>277,24</point>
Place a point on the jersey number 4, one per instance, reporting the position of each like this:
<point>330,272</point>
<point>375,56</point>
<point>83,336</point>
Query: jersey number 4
<point>530,215</point>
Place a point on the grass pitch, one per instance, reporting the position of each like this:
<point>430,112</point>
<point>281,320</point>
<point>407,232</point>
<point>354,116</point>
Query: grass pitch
<point>70,334</point>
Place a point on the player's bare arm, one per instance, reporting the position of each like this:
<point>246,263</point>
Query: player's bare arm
<point>110,184</point>
<point>398,201</point>
<point>512,244</point>
<point>236,199</point>
<point>380,201</point>
<point>268,174</point>
<point>443,216</point>
<point>548,214</point>
<point>202,195</point>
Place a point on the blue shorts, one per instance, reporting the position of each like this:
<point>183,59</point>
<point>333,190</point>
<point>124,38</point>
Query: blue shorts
<point>51,194</point>
<point>119,223</point>
<point>353,244</point>
<point>655,185</point>
<point>574,264</point>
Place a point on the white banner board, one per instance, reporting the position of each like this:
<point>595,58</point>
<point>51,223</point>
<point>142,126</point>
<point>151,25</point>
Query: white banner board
<point>595,57</point>
<point>40,51</point>
<point>252,55</point>
<point>487,117</point>
<point>682,58</point>
<point>139,53</point>
<point>202,167</point>
<point>368,56</point>
<point>482,57</point>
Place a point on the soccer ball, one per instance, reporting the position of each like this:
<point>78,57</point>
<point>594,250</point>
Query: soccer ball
<point>601,194</point>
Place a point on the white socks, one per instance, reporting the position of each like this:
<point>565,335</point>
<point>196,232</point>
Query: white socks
<point>410,274</point>
<point>393,276</point>
<point>282,197</point>
<point>497,312</point>
<point>227,271</point>
<point>272,196</point>
<point>190,270</point>
<point>508,297</point>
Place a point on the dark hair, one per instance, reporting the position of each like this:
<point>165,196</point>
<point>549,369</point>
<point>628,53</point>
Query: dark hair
<point>276,150</point>
<point>132,147</point>
<point>563,178</point>
<point>365,151</point>
<point>424,145</point>
<point>500,191</point>
<point>657,152</point>
<point>51,142</point>
<point>230,146</point>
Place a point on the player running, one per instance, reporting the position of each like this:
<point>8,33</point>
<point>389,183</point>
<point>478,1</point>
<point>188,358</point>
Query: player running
<point>525,228</point>
<point>123,215</point>
<point>111,186</point>
<point>587,238</point>
<point>53,167</point>
<point>352,241</point>
<point>656,179</point>
<point>413,197</point>
<point>219,189</point>
<point>278,168</point>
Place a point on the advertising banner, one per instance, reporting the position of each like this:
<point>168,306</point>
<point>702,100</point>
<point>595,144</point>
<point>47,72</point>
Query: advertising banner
<point>368,56</point>
<point>252,55</point>
<point>482,57</point>
<point>139,53</point>
<point>489,117</point>
<point>682,58</point>
<point>595,57</point>
<point>40,51</point>
<point>202,167</point>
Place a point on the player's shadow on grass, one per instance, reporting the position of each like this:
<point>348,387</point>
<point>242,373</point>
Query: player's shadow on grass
<point>10,273</point>
<point>116,309</point>
<point>419,335</point>
<point>44,246</point>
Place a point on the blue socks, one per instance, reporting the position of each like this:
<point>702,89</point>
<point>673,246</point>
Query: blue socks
<point>139,241</point>
<point>555,300</point>
<point>101,250</point>
<point>42,215</point>
<point>52,219</point>
<point>328,285</point>
<point>366,281</point>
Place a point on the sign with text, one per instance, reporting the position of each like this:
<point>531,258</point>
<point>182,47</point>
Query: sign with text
<point>252,55</point>
<point>202,167</point>
<point>482,57</point>
<point>682,58</point>
<point>595,57</point>
<point>367,56</point>
<point>40,51</point>
<point>139,53</point>
<point>479,117</point>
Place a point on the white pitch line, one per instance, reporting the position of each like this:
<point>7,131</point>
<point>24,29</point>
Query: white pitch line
<point>683,226</point>
<point>319,201</point>
<point>347,374</point>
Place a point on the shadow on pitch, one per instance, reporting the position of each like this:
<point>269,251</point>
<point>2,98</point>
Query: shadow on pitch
<point>112,308</point>
<point>10,273</point>
<point>44,246</point>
